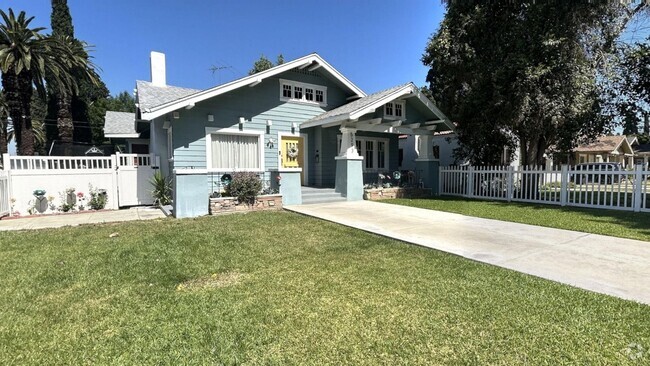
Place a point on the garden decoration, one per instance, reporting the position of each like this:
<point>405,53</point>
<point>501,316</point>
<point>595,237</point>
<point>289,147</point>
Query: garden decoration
<point>40,202</point>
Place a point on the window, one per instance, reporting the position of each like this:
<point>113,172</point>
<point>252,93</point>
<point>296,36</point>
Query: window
<point>293,91</point>
<point>394,110</point>
<point>234,150</point>
<point>374,151</point>
<point>286,91</point>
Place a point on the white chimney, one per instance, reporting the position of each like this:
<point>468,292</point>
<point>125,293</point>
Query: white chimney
<point>158,76</point>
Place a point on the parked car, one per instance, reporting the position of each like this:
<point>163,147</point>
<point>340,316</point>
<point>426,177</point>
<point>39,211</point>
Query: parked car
<point>591,173</point>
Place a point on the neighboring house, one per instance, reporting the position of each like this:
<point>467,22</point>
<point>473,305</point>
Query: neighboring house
<point>121,129</point>
<point>642,154</point>
<point>617,149</point>
<point>302,120</point>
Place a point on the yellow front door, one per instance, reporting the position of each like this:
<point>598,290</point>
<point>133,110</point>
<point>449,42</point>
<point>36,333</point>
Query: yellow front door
<point>293,153</point>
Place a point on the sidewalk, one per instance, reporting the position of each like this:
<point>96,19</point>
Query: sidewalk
<point>54,221</point>
<point>608,265</point>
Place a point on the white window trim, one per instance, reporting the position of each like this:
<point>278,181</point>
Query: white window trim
<point>375,155</point>
<point>392,116</point>
<point>170,145</point>
<point>304,87</point>
<point>209,131</point>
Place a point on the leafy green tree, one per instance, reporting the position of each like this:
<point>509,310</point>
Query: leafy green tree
<point>523,74</point>
<point>26,56</point>
<point>71,110</point>
<point>264,63</point>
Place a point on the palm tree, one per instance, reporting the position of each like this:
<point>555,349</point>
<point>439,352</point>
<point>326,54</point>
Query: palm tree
<point>26,56</point>
<point>4,125</point>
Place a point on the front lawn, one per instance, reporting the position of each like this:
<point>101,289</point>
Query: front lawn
<point>623,224</point>
<point>280,288</point>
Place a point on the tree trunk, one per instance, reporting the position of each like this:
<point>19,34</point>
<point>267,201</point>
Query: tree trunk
<point>18,94</point>
<point>64,123</point>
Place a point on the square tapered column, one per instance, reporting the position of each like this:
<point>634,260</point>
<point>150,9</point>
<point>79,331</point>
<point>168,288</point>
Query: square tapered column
<point>349,165</point>
<point>427,164</point>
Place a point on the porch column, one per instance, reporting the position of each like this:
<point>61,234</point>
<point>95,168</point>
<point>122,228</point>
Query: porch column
<point>349,174</point>
<point>427,164</point>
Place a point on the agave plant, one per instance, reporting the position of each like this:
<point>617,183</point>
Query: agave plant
<point>162,189</point>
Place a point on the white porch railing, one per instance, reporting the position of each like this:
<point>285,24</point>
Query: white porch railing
<point>5,204</point>
<point>568,186</point>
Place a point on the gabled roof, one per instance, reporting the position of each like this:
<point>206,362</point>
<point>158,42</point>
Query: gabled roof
<point>120,125</point>
<point>151,96</point>
<point>642,149</point>
<point>368,104</point>
<point>606,144</point>
<point>311,62</point>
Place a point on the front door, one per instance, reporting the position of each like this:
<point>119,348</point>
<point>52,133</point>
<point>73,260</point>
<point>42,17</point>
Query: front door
<point>293,153</point>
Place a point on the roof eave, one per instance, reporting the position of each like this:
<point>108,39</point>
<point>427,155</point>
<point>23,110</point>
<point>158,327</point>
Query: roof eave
<point>154,112</point>
<point>122,135</point>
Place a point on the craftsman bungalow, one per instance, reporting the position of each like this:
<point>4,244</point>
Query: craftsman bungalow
<point>302,120</point>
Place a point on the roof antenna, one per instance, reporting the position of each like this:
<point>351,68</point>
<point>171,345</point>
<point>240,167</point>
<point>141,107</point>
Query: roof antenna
<point>215,69</point>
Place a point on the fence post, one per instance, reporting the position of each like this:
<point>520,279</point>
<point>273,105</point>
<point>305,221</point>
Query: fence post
<point>6,165</point>
<point>638,187</point>
<point>564,185</point>
<point>510,182</point>
<point>470,182</point>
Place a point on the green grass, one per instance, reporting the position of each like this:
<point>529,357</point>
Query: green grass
<point>623,224</point>
<point>309,292</point>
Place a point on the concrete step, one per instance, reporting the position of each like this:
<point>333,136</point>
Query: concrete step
<point>320,195</point>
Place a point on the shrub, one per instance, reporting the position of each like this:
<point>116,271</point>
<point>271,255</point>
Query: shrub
<point>245,186</point>
<point>162,189</point>
<point>98,198</point>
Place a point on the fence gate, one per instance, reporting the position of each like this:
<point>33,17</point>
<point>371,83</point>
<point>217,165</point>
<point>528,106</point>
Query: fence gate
<point>5,204</point>
<point>134,172</point>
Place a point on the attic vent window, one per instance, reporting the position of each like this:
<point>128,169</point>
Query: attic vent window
<point>293,91</point>
<point>394,110</point>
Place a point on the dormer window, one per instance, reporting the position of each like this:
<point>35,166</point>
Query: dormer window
<point>394,110</point>
<point>293,91</point>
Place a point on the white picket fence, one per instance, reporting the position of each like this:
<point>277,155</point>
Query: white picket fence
<point>566,186</point>
<point>124,177</point>
<point>5,204</point>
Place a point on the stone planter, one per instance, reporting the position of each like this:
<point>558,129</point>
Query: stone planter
<point>377,194</point>
<point>231,204</point>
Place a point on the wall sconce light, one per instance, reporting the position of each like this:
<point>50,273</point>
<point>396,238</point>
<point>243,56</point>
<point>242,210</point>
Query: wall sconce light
<point>269,123</point>
<point>167,125</point>
<point>294,127</point>
<point>176,115</point>
<point>317,157</point>
<point>210,118</point>
<point>241,123</point>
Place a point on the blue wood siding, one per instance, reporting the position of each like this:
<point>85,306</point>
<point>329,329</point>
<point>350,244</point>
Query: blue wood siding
<point>257,105</point>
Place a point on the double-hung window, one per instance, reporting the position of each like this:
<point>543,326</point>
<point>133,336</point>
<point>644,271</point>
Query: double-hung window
<point>233,150</point>
<point>394,110</point>
<point>374,152</point>
<point>294,91</point>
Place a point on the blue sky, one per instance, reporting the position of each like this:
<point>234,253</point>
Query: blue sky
<point>376,44</point>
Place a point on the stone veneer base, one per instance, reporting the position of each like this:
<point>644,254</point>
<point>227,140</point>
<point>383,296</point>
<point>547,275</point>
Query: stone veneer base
<point>231,204</point>
<point>377,194</point>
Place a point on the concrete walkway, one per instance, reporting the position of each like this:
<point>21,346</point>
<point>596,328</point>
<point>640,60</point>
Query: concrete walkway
<point>53,221</point>
<point>613,266</point>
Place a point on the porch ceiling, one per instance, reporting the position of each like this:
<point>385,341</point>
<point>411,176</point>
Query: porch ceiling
<point>399,126</point>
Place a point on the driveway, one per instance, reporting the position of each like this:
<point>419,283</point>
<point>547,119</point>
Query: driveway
<point>608,265</point>
<point>87,217</point>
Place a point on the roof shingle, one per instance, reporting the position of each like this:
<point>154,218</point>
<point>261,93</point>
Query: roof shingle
<point>150,95</point>
<point>119,123</point>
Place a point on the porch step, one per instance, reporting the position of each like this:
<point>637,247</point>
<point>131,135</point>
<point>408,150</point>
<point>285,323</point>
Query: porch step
<point>311,195</point>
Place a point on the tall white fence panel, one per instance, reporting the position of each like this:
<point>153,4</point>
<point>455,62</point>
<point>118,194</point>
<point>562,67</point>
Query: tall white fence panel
<point>568,186</point>
<point>67,180</point>
<point>5,204</point>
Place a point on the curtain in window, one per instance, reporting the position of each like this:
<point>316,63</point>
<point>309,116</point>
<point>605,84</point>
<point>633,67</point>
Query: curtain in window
<point>235,152</point>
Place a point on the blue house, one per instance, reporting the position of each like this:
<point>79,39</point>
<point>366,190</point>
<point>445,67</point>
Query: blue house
<point>303,121</point>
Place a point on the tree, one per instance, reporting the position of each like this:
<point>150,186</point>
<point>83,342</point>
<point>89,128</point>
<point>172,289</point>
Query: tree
<point>264,63</point>
<point>630,88</point>
<point>4,125</point>
<point>71,109</point>
<point>26,56</point>
<point>523,74</point>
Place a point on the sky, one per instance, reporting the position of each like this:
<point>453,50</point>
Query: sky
<point>375,44</point>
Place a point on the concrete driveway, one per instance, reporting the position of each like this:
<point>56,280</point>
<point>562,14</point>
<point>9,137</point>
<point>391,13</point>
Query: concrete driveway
<point>89,217</point>
<point>608,265</point>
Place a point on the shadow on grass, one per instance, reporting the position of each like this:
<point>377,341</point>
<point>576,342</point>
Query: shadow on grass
<point>625,224</point>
